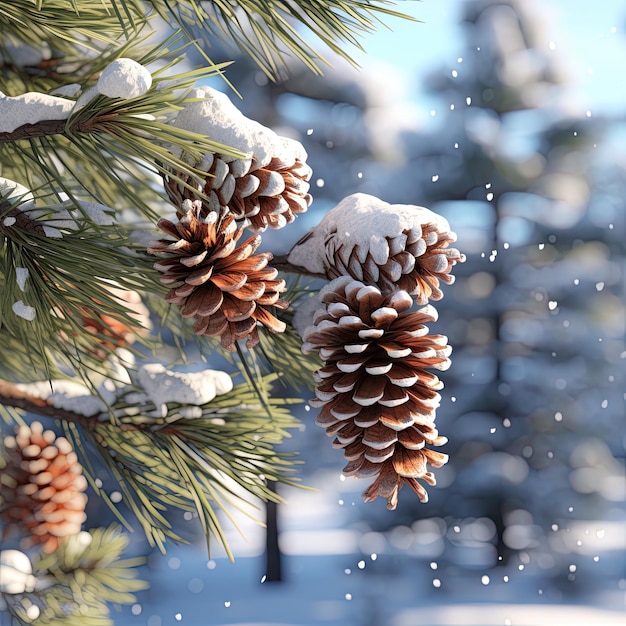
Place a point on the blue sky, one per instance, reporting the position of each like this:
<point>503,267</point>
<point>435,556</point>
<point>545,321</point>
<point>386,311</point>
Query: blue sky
<point>589,35</point>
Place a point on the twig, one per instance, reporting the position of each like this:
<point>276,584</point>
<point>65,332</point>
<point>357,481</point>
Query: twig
<point>55,127</point>
<point>281,263</point>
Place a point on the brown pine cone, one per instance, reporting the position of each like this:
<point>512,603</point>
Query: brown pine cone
<point>269,195</point>
<point>109,332</point>
<point>267,188</point>
<point>392,246</point>
<point>376,396</point>
<point>42,487</point>
<point>417,260</point>
<point>225,287</point>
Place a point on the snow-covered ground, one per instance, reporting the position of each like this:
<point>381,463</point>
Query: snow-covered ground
<point>335,575</point>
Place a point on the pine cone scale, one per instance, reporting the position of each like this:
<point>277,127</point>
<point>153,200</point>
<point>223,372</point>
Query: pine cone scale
<point>230,280</point>
<point>236,310</point>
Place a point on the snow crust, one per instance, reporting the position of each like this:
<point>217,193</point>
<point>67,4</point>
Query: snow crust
<point>67,395</point>
<point>31,108</point>
<point>69,91</point>
<point>215,116</point>
<point>156,383</point>
<point>305,311</point>
<point>162,385</point>
<point>67,215</point>
<point>16,572</point>
<point>24,310</point>
<point>360,220</point>
<point>124,78</point>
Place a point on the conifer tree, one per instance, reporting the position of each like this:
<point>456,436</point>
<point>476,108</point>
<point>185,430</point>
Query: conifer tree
<point>146,339</point>
<point>537,367</point>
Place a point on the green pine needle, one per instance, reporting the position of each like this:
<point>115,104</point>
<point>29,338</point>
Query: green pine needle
<point>79,580</point>
<point>206,464</point>
<point>269,31</point>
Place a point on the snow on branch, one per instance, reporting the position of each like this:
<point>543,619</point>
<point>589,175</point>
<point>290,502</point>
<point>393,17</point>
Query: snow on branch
<point>31,108</point>
<point>45,114</point>
<point>148,390</point>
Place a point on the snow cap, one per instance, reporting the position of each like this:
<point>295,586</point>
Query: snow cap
<point>363,220</point>
<point>68,395</point>
<point>124,78</point>
<point>215,116</point>
<point>66,215</point>
<point>31,108</point>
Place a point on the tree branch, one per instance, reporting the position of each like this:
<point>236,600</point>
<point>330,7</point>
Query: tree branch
<point>28,131</point>
<point>53,127</point>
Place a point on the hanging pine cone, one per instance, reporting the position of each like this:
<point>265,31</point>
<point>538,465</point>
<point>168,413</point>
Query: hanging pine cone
<point>392,246</point>
<point>225,287</point>
<point>267,188</point>
<point>42,487</point>
<point>376,396</point>
<point>110,332</point>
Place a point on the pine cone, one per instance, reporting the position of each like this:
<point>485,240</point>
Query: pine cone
<point>394,247</point>
<point>109,332</point>
<point>376,396</point>
<point>267,188</point>
<point>223,286</point>
<point>43,488</point>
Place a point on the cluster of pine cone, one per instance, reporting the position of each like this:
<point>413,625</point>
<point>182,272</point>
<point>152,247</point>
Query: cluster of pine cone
<point>375,391</point>
<point>221,284</point>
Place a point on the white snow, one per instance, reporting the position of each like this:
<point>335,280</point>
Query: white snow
<point>124,78</point>
<point>360,220</point>
<point>303,316</point>
<point>86,97</point>
<point>31,108</point>
<point>68,216</point>
<point>198,388</point>
<point>10,189</point>
<point>215,116</point>
<point>67,395</point>
<point>16,572</point>
<point>24,310</point>
<point>51,232</point>
<point>21,274</point>
<point>18,53</point>
<point>69,91</point>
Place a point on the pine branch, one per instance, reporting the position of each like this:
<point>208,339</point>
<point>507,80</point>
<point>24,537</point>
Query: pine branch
<point>166,455</point>
<point>268,31</point>
<point>73,585</point>
<point>45,128</point>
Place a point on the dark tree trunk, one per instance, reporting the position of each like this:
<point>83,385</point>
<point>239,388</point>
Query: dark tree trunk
<point>273,570</point>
